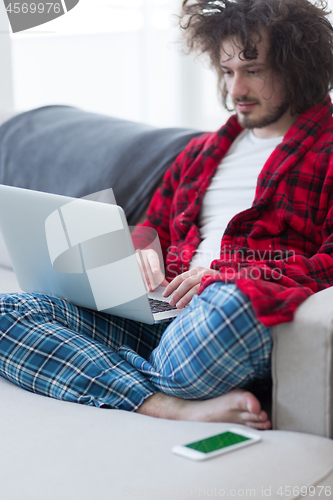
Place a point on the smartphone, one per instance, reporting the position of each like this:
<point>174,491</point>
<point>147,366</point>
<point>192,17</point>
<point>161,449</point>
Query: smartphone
<point>230,440</point>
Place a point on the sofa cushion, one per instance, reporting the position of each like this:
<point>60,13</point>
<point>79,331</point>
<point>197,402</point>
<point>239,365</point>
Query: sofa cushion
<point>57,450</point>
<point>69,151</point>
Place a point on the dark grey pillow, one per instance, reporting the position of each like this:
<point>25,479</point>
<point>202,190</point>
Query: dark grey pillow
<point>68,151</point>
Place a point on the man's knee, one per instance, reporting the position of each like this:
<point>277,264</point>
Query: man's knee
<point>217,344</point>
<point>30,308</point>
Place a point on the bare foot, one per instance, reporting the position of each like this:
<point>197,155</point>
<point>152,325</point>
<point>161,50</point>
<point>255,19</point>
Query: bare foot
<point>237,406</point>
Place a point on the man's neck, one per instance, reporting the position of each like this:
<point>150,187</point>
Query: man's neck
<point>277,129</point>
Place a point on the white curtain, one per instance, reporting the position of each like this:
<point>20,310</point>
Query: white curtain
<point>113,57</point>
<point>117,57</point>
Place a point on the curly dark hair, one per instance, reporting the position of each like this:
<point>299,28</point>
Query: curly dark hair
<point>300,34</point>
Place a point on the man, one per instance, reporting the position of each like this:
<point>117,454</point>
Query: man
<point>274,60</point>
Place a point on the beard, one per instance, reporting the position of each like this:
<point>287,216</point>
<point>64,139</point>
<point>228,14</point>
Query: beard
<point>271,116</point>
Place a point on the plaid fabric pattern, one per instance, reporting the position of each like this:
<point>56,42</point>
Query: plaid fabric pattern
<point>56,349</point>
<point>216,345</point>
<point>291,217</point>
<point>53,348</point>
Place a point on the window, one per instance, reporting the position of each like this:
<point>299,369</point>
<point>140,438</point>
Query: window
<point>114,57</point>
<point>105,57</point>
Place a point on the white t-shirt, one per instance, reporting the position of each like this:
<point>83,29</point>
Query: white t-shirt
<point>231,191</point>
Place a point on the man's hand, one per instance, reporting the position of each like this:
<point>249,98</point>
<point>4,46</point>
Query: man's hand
<point>150,269</point>
<point>186,285</point>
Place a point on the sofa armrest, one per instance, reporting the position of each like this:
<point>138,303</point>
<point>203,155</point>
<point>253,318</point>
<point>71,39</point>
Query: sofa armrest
<point>302,368</point>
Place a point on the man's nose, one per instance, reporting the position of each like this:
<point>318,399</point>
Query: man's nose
<point>238,87</point>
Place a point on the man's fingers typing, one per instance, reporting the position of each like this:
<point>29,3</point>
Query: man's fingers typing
<point>150,269</point>
<point>186,299</point>
<point>183,294</point>
<point>184,286</point>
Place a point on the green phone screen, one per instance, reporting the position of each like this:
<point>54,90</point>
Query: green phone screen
<point>217,442</point>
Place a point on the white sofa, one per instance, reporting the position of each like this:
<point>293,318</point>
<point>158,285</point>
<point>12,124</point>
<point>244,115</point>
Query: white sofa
<point>56,450</point>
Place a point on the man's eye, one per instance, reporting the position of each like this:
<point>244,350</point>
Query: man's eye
<point>226,73</point>
<point>253,72</point>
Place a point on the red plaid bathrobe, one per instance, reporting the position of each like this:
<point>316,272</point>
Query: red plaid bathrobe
<point>280,250</point>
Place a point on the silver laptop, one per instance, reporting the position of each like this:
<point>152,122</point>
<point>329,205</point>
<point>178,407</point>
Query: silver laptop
<point>79,250</point>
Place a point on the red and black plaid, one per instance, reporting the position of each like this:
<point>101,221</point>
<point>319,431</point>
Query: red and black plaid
<point>280,250</point>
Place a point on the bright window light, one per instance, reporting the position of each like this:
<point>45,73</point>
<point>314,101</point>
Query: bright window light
<point>106,16</point>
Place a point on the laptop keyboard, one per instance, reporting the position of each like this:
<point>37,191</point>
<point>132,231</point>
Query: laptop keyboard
<point>160,306</point>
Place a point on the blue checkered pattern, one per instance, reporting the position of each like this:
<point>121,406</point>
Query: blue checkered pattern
<point>53,348</point>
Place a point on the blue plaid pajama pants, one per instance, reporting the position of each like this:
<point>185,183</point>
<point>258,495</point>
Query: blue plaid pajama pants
<point>56,349</point>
